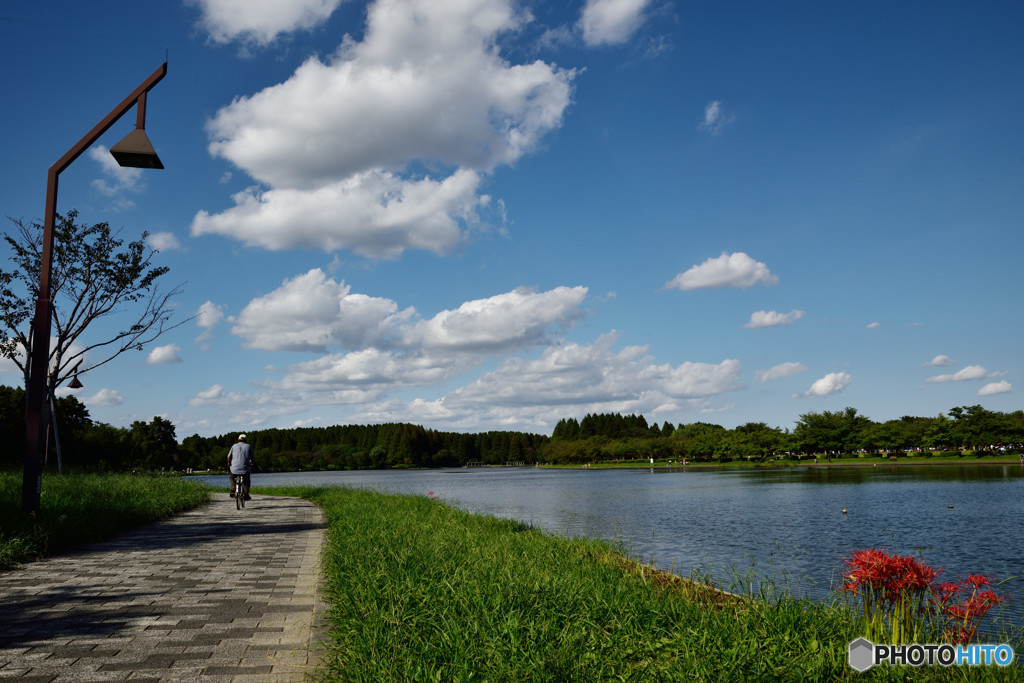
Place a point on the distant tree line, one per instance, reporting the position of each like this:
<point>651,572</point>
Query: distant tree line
<point>366,447</point>
<point>86,444</point>
<point>153,445</point>
<point>605,437</point>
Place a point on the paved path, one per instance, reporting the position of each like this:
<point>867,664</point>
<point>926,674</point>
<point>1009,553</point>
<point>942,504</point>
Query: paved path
<point>214,594</point>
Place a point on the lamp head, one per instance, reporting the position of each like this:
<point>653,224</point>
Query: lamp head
<point>75,384</point>
<point>136,151</point>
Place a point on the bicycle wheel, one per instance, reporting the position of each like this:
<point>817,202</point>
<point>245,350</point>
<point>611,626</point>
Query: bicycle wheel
<point>239,496</point>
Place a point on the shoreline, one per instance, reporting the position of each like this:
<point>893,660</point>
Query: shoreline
<point>762,466</point>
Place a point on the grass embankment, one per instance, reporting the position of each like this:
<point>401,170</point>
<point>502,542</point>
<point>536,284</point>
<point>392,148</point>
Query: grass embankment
<point>421,591</point>
<point>76,509</point>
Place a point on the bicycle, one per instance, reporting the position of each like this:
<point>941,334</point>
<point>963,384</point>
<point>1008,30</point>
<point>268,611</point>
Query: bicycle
<point>239,491</point>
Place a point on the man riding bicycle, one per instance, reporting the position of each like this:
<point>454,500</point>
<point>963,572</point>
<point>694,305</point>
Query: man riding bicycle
<point>241,458</point>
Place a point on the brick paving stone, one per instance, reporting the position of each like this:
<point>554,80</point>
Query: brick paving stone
<point>213,594</point>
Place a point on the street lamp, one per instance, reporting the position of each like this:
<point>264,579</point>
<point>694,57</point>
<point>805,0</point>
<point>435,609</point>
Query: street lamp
<point>134,151</point>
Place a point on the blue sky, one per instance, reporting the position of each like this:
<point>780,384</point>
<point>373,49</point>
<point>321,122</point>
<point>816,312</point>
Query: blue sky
<point>489,214</point>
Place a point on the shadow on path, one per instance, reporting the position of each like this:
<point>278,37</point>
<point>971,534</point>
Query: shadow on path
<point>214,591</point>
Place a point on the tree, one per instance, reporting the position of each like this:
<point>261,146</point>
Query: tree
<point>975,427</point>
<point>838,432</point>
<point>888,436</point>
<point>566,429</point>
<point>700,439</point>
<point>12,425</point>
<point>154,445</point>
<point>92,278</point>
<point>757,438</point>
<point>939,434</point>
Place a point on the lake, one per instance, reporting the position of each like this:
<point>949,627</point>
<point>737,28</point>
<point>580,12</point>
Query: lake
<point>786,526</point>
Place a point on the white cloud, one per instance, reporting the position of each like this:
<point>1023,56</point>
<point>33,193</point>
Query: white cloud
<point>163,241</point>
<point>391,349</point>
<point>1000,387</point>
<point>162,355</point>
<point>572,379</point>
<point>246,410</point>
<point>773,318</point>
<point>939,362</point>
<point>515,319</point>
<point>425,89</point>
<point>312,312</point>
<point>874,326</point>
<point>611,22</point>
<point>7,366</point>
<point>728,270</point>
<point>831,383</point>
<point>557,37</point>
<point>209,315</point>
<point>120,179</point>
<point>373,213</point>
<point>595,375</point>
<point>104,397</point>
<point>260,21</point>
<point>519,393</point>
<point>715,120</point>
<point>214,392</point>
<point>367,374</point>
<point>780,371</point>
<point>968,373</point>
<point>691,380</point>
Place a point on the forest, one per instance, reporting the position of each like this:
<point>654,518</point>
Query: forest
<point>598,438</point>
<point>154,445</point>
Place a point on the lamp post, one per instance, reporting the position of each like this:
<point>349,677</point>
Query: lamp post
<point>134,151</point>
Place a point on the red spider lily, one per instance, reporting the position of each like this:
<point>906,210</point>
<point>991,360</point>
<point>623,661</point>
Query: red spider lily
<point>961,612</point>
<point>911,575</point>
<point>892,589</point>
<point>890,574</point>
<point>942,594</point>
<point>978,581</point>
<point>867,566</point>
<point>899,595</point>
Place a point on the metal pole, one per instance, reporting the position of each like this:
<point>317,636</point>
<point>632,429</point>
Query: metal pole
<point>56,435</point>
<point>37,390</point>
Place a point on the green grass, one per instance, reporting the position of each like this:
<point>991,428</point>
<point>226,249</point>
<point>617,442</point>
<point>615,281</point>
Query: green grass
<point>75,509</point>
<point>422,592</point>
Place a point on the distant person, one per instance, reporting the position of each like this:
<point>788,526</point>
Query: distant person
<point>241,458</point>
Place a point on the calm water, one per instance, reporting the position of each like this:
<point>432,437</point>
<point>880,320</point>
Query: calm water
<point>787,525</point>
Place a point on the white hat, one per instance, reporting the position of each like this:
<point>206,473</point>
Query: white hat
<point>241,437</point>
